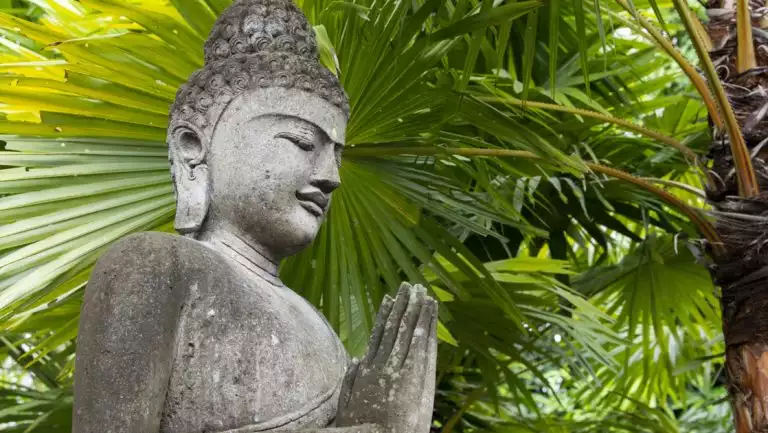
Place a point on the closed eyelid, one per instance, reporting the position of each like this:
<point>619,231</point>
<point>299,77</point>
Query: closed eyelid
<point>303,130</point>
<point>296,138</point>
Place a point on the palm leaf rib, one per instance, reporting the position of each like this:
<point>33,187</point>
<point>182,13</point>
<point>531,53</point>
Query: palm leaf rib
<point>746,175</point>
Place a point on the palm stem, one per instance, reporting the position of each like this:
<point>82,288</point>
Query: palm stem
<point>684,186</point>
<point>686,151</point>
<point>745,57</point>
<point>702,224</point>
<point>745,173</point>
<point>655,36</point>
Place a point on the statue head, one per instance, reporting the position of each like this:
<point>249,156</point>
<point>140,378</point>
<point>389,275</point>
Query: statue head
<point>256,135</point>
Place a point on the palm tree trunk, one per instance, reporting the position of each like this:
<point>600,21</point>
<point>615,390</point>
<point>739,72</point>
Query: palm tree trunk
<point>742,272</point>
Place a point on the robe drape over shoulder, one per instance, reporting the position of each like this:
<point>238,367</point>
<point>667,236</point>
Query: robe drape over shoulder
<point>176,338</point>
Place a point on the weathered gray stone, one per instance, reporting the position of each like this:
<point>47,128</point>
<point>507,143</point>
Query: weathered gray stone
<point>197,333</point>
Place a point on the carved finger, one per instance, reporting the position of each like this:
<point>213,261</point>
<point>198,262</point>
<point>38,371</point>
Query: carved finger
<point>432,353</point>
<point>421,363</point>
<point>423,334</point>
<point>431,358</point>
<point>407,327</point>
<point>347,384</point>
<point>392,326</point>
<point>378,329</point>
<point>428,393</point>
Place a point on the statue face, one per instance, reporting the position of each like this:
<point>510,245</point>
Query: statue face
<point>274,161</point>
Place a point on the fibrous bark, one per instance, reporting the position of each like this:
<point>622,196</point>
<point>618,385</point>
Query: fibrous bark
<point>742,223</point>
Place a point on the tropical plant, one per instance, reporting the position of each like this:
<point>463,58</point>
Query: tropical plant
<point>538,166</point>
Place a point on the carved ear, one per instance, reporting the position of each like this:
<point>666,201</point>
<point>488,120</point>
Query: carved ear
<point>188,143</point>
<point>190,172</point>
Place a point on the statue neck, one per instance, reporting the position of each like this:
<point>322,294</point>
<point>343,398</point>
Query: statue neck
<point>247,254</point>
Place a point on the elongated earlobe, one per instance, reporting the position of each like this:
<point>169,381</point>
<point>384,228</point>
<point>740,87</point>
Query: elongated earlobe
<point>191,180</point>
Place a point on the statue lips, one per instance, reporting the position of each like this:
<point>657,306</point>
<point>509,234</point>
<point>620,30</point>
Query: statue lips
<point>313,200</point>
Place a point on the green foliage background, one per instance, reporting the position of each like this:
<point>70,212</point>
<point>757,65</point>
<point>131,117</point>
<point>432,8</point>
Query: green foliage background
<point>571,301</point>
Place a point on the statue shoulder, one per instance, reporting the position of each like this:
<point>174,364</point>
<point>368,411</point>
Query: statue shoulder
<point>125,344</point>
<point>141,270</point>
<point>145,252</point>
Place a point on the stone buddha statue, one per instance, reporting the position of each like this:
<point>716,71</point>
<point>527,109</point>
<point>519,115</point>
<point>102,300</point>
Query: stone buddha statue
<point>196,333</point>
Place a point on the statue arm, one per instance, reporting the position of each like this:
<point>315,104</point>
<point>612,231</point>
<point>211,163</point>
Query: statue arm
<point>126,340</point>
<point>362,428</point>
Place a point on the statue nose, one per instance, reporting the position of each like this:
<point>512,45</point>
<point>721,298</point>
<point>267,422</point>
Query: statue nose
<point>325,176</point>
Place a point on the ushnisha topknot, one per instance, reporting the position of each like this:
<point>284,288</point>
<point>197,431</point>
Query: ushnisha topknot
<point>257,26</point>
<point>254,43</point>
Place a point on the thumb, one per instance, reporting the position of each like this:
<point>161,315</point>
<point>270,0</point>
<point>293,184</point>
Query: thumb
<point>348,383</point>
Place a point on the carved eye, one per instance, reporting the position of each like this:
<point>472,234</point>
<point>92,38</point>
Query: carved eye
<point>302,142</point>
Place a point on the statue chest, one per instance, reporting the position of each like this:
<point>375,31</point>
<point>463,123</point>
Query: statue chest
<point>252,355</point>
